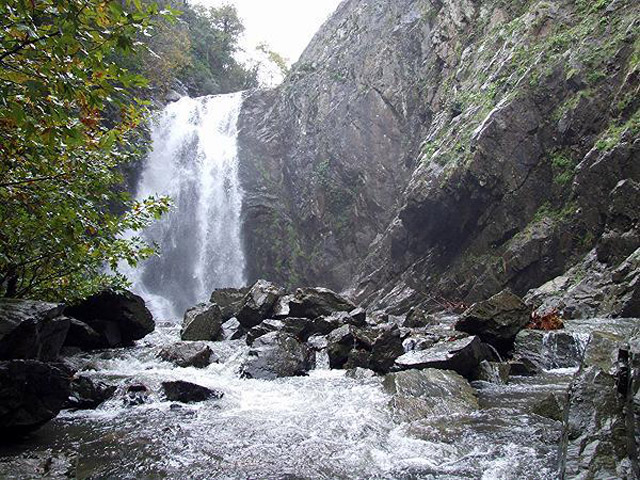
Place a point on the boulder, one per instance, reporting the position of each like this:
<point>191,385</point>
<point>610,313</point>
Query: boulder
<point>340,342</point>
<point>299,327</point>
<point>552,406</point>
<point>187,354</point>
<point>87,394</point>
<point>379,346</point>
<point>31,394</point>
<point>312,303</point>
<point>202,322</point>
<point>136,394</point>
<point>232,330</point>
<point>82,336</point>
<point>359,316</point>
<point>497,320</point>
<point>417,394</point>
<point>547,350</point>
<point>257,304</point>
<point>415,318</point>
<point>31,330</point>
<point>277,354</point>
<point>229,300</point>
<point>180,391</point>
<point>492,372</point>
<point>118,317</point>
<point>462,356</point>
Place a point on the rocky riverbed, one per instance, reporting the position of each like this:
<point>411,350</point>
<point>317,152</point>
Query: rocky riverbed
<point>339,394</point>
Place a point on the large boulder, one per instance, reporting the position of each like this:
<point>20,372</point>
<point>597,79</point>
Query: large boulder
<point>258,303</point>
<point>497,320</point>
<point>417,394</point>
<point>300,327</point>
<point>87,394</point>
<point>376,347</point>
<point>202,322</point>
<point>31,394</point>
<point>180,391</point>
<point>82,336</point>
<point>118,317</point>
<point>312,303</point>
<point>340,343</point>
<point>232,330</point>
<point>461,356</point>
<point>187,354</point>
<point>31,330</point>
<point>601,424</point>
<point>229,300</point>
<point>277,354</point>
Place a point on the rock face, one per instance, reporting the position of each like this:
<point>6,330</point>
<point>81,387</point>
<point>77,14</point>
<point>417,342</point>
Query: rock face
<point>258,303</point>
<point>187,354</point>
<point>180,391</point>
<point>555,349</point>
<point>601,427</point>
<point>497,320</point>
<point>440,152</point>
<point>31,329</point>
<point>277,354</point>
<point>31,394</point>
<point>461,356</point>
<point>229,300</point>
<point>202,322</point>
<point>118,317</point>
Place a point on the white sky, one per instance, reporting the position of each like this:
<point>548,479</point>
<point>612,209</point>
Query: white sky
<point>286,25</point>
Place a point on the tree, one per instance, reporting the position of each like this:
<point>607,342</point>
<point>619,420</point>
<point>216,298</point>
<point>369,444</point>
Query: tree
<point>68,122</point>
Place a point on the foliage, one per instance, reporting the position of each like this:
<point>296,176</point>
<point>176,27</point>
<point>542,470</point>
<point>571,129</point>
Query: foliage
<point>62,216</point>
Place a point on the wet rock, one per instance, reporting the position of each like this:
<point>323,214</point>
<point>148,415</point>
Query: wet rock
<point>277,354</point>
<point>263,328</point>
<point>87,394</point>
<point>119,317</point>
<point>202,322</point>
<point>232,330</point>
<point>340,343</point>
<point>257,305</point>
<point>497,320</point>
<point>376,348</point>
<point>523,367</point>
<point>31,330</point>
<point>188,354</point>
<point>136,394</point>
<point>601,433</point>
<point>461,356</point>
<point>492,372</point>
<point>359,316</point>
<point>430,392</point>
<point>552,406</point>
<point>185,392</point>
<point>416,318</point>
<point>229,300</point>
<point>31,394</point>
<point>82,336</point>
<point>547,350</point>
<point>360,373</point>
<point>313,303</point>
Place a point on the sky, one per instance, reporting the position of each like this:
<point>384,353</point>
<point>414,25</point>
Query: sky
<point>286,25</point>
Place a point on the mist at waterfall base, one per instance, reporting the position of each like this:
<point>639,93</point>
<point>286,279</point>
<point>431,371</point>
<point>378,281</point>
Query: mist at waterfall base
<point>193,161</point>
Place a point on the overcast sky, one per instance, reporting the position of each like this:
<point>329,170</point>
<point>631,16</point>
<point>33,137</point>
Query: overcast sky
<point>286,25</point>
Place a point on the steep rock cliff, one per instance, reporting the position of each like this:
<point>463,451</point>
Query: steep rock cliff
<point>439,151</point>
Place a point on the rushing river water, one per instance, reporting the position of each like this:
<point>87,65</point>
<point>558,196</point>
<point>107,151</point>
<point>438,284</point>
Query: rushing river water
<point>323,426</point>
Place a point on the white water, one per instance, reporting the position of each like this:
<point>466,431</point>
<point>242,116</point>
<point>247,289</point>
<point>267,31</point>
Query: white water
<point>194,161</point>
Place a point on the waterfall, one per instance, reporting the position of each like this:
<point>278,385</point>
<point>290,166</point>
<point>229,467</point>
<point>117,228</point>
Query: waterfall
<point>194,161</point>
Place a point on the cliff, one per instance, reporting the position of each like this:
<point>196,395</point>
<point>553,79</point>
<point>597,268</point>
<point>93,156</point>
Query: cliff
<point>435,152</point>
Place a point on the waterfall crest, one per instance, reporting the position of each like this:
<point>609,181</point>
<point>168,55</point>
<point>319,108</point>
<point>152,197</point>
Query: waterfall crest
<point>194,161</point>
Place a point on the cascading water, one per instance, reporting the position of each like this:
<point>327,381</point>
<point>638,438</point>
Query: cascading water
<point>193,161</point>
